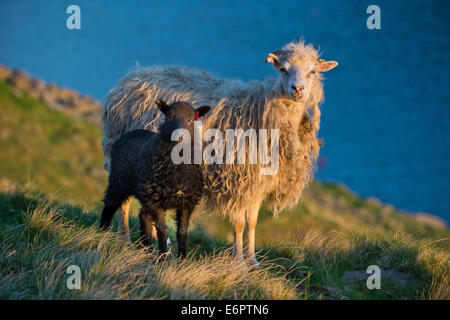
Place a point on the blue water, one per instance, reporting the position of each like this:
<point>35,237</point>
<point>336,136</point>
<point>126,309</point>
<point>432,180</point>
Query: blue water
<point>386,119</point>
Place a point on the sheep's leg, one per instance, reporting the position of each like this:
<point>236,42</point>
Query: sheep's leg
<point>124,228</point>
<point>252,219</point>
<point>146,226</point>
<point>238,231</point>
<point>183,216</point>
<point>108,214</point>
<point>155,236</point>
<point>161,229</point>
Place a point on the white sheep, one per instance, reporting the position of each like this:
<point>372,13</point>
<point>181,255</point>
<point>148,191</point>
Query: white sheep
<point>289,103</point>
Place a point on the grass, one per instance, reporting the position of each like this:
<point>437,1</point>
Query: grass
<point>59,154</point>
<point>331,207</point>
<point>40,239</point>
<point>50,224</point>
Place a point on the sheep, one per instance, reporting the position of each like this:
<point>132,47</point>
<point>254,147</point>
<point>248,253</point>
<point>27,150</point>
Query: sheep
<point>142,166</point>
<point>290,102</point>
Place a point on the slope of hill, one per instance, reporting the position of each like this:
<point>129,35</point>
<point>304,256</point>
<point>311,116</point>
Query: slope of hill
<point>319,250</point>
<point>56,152</point>
<point>39,240</point>
<point>63,99</point>
<point>332,207</point>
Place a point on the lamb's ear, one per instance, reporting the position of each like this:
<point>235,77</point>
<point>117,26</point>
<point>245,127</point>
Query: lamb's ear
<point>274,58</point>
<point>326,65</point>
<point>202,110</point>
<point>162,105</point>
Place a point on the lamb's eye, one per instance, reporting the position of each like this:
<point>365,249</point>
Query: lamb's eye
<point>283,70</point>
<point>313,72</point>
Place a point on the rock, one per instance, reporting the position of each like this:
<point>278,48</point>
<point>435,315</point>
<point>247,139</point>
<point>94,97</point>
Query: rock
<point>431,220</point>
<point>7,185</point>
<point>354,276</point>
<point>66,100</point>
<point>391,274</point>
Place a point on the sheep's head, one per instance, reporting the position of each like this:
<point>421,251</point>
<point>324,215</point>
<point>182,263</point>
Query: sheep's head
<point>299,67</point>
<point>180,115</point>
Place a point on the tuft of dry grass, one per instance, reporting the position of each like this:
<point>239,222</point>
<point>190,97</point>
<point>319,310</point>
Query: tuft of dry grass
<point>326,256</point>
<point>35,256</point>
<point>40,239</point>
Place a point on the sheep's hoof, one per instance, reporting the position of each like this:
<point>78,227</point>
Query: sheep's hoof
<point>125,237</point>
<point>242,264</point>
<point>254,263</point>
<point>244,267</point>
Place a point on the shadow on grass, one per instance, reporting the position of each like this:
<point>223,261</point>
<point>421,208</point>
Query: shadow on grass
<point>314,261</point>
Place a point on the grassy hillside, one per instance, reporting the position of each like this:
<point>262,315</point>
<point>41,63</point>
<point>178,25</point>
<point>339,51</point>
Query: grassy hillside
<point>39,240</point>
<point>57,153</point>
<point>332,207</point>
<point>319,250</point>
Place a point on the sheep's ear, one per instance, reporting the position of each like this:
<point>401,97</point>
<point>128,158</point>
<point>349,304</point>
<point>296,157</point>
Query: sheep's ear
<point>274,58</point>
<point>162,105</point>
<point>326,65</point>
<point>202,110</point>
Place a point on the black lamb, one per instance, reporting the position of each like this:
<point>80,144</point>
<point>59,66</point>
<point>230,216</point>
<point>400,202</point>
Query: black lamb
<point>141,166</point>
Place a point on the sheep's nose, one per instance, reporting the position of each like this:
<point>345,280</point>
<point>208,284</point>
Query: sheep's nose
<point>298,89</point>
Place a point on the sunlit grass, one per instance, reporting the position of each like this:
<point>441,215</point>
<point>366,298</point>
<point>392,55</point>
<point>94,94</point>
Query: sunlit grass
<point>40,243</point>
<point>40,239</point>
<point>59,154</point>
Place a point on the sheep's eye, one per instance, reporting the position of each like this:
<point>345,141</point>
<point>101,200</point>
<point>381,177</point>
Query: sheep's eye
<point>283,70</point>
<point>313,72</point>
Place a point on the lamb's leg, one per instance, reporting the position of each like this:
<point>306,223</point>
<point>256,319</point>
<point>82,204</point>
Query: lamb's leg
<point>146,226</point>
<point>252,219</point>
<point>113,200</point>
<point>124,228</point>
<point>161,229</point>
<point>169,243</point>
<point>183,216</point>
<point>108,214</point>
<point>238,230</point>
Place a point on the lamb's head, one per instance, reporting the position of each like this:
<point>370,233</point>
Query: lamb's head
<point>180,115</point>
<point>299,69</point>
